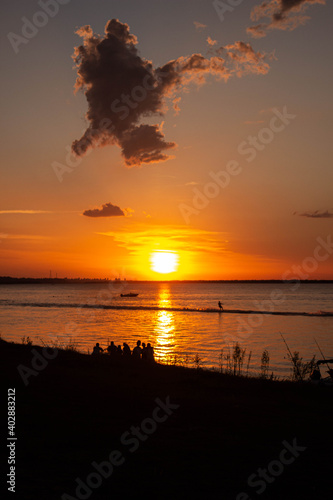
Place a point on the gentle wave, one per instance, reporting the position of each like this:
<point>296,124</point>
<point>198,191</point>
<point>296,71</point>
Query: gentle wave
<point>171,309</point>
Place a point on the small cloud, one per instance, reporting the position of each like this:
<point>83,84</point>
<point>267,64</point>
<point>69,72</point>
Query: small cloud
<point>284,15</point>
<point>211,42</point>
<point>146,215</point>
<point>199,26</point>
<point>316,215</point>
<point>107,210</point>
<point>192,183</point>
<point>246,60</point>
<point>256,31</point>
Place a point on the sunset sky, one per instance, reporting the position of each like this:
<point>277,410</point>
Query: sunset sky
<point>212,138</point>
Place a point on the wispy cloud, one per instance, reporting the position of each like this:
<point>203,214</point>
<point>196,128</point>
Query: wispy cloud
<point>26,237</point>
<point>245,60</point>
<point>316,214</point>
<point>199,26</point>
<point>106,210</point>
<point>283,15</point>
<point>26,212</point>
<point>177,238</point>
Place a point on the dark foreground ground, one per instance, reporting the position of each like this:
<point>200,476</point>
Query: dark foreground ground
<point>76,410</point>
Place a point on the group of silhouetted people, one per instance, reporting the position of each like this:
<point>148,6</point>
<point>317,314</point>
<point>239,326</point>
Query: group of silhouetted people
<point>140,351</point>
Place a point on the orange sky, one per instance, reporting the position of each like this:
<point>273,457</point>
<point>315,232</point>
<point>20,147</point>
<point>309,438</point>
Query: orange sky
<point>237,181</point>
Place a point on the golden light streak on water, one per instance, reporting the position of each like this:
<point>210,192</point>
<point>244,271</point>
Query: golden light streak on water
<point>164,327</point>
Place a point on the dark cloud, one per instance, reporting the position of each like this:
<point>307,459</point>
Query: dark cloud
<point>283,14</point>
<point>144,144</point>
<point>107,210</point>
<point>122,89</point>
<point>316,215</point>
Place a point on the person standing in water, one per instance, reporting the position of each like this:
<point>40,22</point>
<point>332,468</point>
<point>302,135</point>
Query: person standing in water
<point>220,306</point>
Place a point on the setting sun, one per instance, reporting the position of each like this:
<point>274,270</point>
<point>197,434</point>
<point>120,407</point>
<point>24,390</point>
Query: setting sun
<point>164,261</point>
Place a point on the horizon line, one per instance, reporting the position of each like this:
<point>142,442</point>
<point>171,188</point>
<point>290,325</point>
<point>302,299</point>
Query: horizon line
<point>242,280</point>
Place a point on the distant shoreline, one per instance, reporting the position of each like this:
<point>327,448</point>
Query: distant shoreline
<point>8,280</point>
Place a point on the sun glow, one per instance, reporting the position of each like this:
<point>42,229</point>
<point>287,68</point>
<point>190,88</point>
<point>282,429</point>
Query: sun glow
<point>164,261</point>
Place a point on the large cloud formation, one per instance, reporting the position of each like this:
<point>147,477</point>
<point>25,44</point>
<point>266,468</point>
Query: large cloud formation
<point>283,14</point>
<point>122,89</point>
<point>107,210</point>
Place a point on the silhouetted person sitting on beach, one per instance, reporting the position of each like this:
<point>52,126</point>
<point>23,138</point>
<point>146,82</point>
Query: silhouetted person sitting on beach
<point>112,349</point>
<point>119,351</point>
<point>220,306</point>
<point>126,350</point>
<point>97,349</point>
<point>144,351</point>
<point>150,353</point>
<point>137,351</point>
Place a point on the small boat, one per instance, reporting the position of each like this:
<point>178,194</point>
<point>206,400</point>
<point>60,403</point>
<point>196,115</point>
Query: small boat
<point>129,294</point>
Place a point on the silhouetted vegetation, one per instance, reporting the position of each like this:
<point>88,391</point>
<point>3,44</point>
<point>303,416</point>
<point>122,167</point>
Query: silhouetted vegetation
<point>26,341</point>
<point>300,369</point>
<point>264,364</point>
<point>197,362</point>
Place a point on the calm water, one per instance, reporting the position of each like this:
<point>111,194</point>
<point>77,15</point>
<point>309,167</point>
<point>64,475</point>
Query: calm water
<point>179,319</point>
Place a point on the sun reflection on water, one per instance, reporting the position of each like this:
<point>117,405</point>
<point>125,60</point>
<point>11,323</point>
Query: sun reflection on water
<point>164,327</point>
